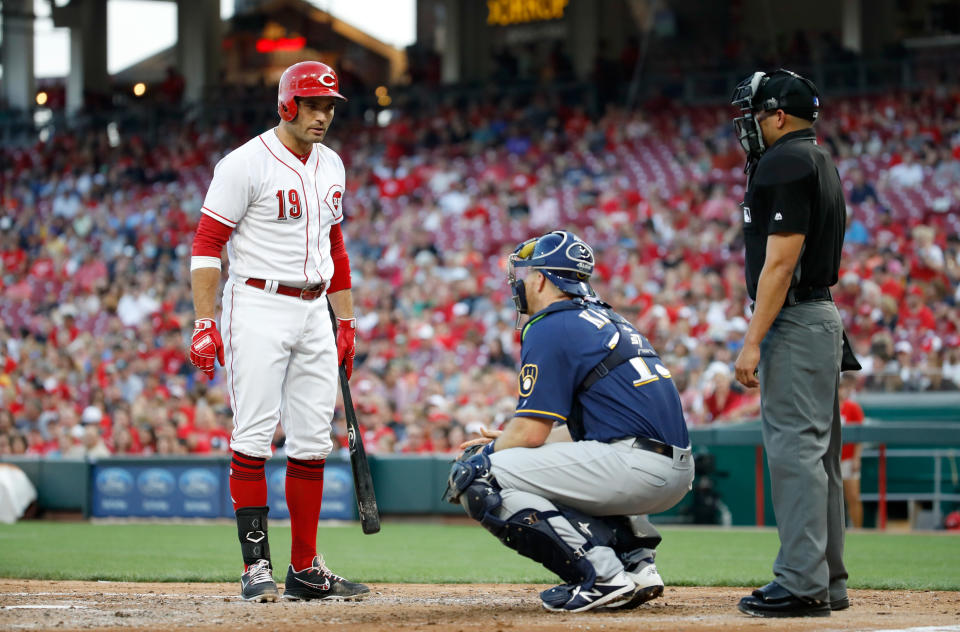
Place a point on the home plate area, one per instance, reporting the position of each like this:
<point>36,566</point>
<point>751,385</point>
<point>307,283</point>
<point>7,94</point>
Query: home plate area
<point>73,605</point>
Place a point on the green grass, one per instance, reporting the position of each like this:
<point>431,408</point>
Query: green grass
<point>406,552</point>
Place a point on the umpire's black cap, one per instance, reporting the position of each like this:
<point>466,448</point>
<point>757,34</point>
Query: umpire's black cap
<point>786,90</point>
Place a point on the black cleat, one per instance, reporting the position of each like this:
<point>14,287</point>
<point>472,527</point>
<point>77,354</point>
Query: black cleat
<point>773,600</point>
<point>317,582</point>
<point>257,583</point>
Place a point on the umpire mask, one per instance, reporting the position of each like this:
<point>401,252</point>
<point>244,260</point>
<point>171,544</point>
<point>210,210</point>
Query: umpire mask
<point>746,126</point>
<point>762,92</point>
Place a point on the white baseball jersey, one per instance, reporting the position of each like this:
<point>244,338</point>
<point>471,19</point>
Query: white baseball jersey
<point>281,210</point>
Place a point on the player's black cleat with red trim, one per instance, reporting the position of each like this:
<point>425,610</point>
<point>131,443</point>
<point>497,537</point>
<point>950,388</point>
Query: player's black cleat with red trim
<point>257,583</point>
<point>317,582</point>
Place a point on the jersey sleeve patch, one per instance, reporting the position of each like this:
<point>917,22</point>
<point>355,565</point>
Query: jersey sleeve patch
<point>527,379</point>
<point>334,200</point>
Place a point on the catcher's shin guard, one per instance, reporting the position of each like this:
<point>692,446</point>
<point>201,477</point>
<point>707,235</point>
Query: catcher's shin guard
<point>634,538</point>
<point>530,534</point>
<point>252,531</point>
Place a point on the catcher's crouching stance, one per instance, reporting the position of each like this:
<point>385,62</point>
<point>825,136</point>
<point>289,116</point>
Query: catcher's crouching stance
<point>574,497</point>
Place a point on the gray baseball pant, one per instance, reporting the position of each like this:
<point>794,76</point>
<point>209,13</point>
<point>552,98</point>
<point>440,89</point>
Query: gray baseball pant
<point>799,372</point>
<point>599,479</point>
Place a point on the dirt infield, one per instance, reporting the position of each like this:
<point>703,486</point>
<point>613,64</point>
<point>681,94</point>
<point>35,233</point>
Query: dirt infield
<point>36,605</point>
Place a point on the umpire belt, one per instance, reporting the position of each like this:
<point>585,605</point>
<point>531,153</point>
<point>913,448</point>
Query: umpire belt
<point>797,295</point>
<point>309,293</point>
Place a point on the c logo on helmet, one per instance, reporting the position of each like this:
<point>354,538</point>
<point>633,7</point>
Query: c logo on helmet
<point>327,79</point>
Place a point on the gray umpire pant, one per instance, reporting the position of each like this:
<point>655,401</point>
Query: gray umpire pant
<point>799,372</point>
<point>599,479</point>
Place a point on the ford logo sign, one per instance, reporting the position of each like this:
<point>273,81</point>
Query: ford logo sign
<point>114,481</point>
<point>198,483</point>
<point>336,481</point>
<point>155,482</point>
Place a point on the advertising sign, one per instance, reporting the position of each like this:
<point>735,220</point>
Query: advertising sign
<point>156,489</point>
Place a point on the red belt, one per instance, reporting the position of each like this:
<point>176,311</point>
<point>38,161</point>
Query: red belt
<point>309,293</point>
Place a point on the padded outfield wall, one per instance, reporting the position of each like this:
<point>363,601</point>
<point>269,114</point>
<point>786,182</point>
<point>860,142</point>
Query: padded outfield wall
<point>197,487</point>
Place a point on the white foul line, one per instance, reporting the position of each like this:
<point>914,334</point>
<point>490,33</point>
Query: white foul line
<point>931,628</point>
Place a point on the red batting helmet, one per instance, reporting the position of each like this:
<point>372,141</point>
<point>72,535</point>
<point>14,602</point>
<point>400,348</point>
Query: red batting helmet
<point>306,79</point>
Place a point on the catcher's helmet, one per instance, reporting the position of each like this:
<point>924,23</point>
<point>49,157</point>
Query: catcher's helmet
<point>560,256</point>
<point>306,79</point>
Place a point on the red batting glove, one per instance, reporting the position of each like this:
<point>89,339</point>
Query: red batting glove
<point>346,343</point>
<point>206,345</point>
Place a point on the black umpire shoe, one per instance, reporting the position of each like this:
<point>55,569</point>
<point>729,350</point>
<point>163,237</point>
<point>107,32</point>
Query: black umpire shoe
<point>773,600</point>
<point>317,582</point>
<point>257,583</point>
<point>839,604</point>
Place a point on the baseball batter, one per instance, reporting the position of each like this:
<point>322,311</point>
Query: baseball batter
<point>573,497</point>
<point>277,203</point>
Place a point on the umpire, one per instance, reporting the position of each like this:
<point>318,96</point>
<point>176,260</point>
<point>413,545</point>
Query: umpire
<point>793,224</point>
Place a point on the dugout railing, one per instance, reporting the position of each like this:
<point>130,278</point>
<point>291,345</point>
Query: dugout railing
<point>875,474</point>
<point>937,497</point>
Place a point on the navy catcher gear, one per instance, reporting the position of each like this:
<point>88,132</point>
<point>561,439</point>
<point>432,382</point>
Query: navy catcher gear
<point>565,259</point>
<point>472,465</point>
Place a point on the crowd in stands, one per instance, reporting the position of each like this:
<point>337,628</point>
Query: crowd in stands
<point>96,229</point>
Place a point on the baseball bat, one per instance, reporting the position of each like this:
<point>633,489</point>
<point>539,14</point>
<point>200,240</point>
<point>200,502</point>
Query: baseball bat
<point>362,480</point>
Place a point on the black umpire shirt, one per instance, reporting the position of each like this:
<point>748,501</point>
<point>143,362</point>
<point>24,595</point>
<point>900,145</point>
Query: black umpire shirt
<point>795,188</point>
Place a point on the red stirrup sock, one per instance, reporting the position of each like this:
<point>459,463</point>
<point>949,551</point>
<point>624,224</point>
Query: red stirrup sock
<point>248,485</point>
<point>304,496</point>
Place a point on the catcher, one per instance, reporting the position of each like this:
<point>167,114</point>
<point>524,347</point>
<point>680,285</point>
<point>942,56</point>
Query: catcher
<point>598,439</point>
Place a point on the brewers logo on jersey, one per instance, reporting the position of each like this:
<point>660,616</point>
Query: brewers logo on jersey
<point>527,379</point>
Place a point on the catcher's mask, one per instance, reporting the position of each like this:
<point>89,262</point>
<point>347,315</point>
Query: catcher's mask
<point>762,92</point>
<point>562,257</point>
